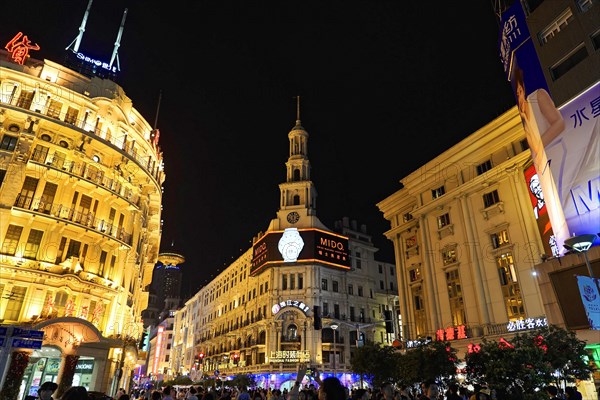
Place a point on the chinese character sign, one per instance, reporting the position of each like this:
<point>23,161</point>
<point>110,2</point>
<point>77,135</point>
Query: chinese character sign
<point>19,47</point>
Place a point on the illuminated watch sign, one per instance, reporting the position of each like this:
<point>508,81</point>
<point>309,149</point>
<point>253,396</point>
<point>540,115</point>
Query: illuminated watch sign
<point>300,246</point>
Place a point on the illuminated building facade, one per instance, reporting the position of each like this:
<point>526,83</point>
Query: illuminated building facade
<point>80,205</point>
<point>258,315</point>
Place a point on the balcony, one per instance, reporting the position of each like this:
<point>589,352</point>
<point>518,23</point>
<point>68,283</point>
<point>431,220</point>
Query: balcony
<point>290,339</point>
<point>84,219</point>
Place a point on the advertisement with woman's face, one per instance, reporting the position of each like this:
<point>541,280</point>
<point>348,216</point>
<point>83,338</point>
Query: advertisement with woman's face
<point>564,141</point>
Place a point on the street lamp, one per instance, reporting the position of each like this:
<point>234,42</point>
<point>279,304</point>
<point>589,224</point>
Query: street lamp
<point>334,327</point>
<point>581,244</point>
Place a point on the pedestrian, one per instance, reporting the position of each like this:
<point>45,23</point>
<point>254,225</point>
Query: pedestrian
<point>452,393</point>
<point>387,391</point>
<point>553,392</point>
<point>432,392</point>
<point>192,394</point>
<point>75,393</point>
<point>120,392</point>
<point>360,394</point>
<point>331,389</point>
<point>46,390</point>
<point>124,396</point>
<point>168,393</point>
<point>478,393</point>
<point>156,395</point>
<point>572,393</point>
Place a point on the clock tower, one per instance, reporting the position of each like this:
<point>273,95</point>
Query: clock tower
<point>298,199</point>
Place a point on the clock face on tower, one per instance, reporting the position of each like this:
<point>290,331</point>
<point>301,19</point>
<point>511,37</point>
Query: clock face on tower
<point>293,217</point>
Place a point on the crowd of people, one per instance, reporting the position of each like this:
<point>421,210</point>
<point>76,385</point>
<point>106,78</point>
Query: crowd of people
<point>328,389</point>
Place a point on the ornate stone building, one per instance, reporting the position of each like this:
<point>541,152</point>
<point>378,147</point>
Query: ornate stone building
<point>258,315</point>
<point>80,211</point>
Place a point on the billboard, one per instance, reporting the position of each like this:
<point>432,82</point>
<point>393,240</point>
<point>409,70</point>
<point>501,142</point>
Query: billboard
<point>564,141</point>
<point>300,246</point>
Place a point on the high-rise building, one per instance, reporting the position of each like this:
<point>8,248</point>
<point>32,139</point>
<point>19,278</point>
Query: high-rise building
<point>80,211</point>
<point>303,293</point>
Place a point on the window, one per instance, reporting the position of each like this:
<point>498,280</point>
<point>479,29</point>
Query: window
<point>491,198</point>
<point>54,109</point>
<point>407,217</point>
<point>284,281</point>
<point>511,290</point>
<point>500,238</point>
<point>360,291</point>
<point>596,39</point>
<point>414,273</point>
<point>13,234</point>
<point>335,286</point>
<point>524,144</point>
<point>336,311</point>
<point>358,264</point>
<point>102,263</point>
<point>2,175</point>
<point>392,271</point>
<point>449,256</point>
<point>300,281</point>
<point>25,99</point>
<point>352,314</point>
<point>443,220</point>
<point>457,307</point>
<point>380,268</point>
<point>484,167</point>
<point>571,60</point>
<point>555,26</point>
<point>381,285</point>
<point>324,284</point>
<point>74,248</point>
<point>33,244</point>
<point>71,115</point>
<point>435,193</point>
<point>350,289</point>
<point>8,143</point>
<point>584,5</point>
<point>325,309</point>
<point>15,303</point>
<point>292,281</point>
<point>419,310</point>
<point>40,154</point>
<point>391,286</point>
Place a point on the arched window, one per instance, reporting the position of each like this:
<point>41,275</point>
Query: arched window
<point>296,175</point>
<point>296,200</point>
<point>262,337</point>
<point>292,331</point>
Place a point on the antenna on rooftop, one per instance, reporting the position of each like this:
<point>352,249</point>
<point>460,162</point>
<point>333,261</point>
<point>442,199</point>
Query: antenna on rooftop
<point>77,41</point>
<point>157,109</point>
<point>118,43</point>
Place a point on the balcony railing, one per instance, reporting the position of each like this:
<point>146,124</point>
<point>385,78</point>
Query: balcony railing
<point>83,218</point>
<point>290,339</point>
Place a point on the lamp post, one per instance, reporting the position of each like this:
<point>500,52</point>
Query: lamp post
<point>581,244</point>
<point>334,327</point>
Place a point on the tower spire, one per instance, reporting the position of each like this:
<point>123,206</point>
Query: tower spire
<point>298,109</point>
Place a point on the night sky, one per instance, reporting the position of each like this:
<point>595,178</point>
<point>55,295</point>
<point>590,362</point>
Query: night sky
<point>385,86</point>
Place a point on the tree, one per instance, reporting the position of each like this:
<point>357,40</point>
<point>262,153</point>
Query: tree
<point>377,364</point>
<point>434,362</point>
<point>519,368</point>
<point>242,380</point>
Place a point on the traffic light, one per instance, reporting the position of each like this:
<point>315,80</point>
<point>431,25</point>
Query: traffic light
<point>389,323</point>
<point>143,340</point>
<point>317,317</point>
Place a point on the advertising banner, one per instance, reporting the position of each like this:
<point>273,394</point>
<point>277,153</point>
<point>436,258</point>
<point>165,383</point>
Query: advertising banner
<point>564,141</point>
<point>590,296</point>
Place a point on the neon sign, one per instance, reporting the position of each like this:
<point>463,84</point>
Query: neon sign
<point>289,303</point>
<point>159,338</point>
<point>97,63</point>
<point>451,333</point>
<point>19,47</point>
<point>295,356</point>
<point>527,324</point>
